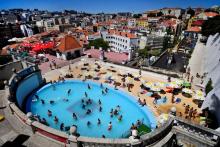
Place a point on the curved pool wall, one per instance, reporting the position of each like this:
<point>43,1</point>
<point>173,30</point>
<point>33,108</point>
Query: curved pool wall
<point>23,83</point>
<point>149,118</point>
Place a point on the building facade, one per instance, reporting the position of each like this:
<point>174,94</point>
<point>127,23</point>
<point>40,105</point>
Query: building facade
<point>121,41</point>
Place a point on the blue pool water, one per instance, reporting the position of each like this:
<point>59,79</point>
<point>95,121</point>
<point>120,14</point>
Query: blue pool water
<point>129,108</point>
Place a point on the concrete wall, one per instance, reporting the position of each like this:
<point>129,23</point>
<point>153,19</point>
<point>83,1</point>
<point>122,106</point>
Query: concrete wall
<point>163,135</point>
<point>6,70</point>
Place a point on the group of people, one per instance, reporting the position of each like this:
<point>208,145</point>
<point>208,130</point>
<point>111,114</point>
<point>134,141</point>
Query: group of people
<point>136,125</point>
<point>115,112</point>
<point>189,112</point>
<point>142,103</point>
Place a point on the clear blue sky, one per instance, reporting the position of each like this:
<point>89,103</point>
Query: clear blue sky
<point>105,5</point>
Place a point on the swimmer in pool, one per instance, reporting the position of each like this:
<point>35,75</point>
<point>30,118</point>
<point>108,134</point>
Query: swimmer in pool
<point>36,96</point>
<point>68,92</point>
<point>100,102</point>
<point>44,121</point>
<point>65,100</point>
<point>52,102</point>
<point>75,116</point>
<point>101,85</point>
<point>99,121</point>
<point>86,95</point>
<point>120,118</point>
<point>115,112</point>
<point>103,92</point>
<point>42,101</point>
<point>89,87</point>
<point>49,113</point>
<point>118,108</point>
<point>88,111</point>
<point>100,109</point>
<point>56,120</point>
<point>88,123</point>
<point>106,90</point>
<point>61,126</point>
<point>83,106</point>
<point>89,101</point>
<point>110,126</point>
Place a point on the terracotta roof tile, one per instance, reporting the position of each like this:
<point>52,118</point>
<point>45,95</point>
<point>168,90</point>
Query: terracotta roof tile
<point>194,29</point>
<point>211,14</point>
<point>68,43</point>
<point>124,34</point>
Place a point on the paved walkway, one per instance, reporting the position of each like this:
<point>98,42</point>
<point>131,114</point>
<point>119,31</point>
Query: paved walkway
<point>195,63</point>
<point>7,133</point>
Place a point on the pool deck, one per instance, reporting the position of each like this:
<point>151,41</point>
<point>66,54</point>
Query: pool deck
<point>135,91</point>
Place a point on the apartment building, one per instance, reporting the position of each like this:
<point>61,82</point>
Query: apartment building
<point>121,41</point>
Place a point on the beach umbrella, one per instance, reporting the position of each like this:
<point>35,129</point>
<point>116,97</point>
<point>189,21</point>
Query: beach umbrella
<point>136,75</point>
<point>161,84</point>
<point>186,84</point>
<point>142,81</point>
<point>163,118</point>
<point>187,90</point>
<point>200,95</point>
<point>155,88</point>
<point>173,85</point>
<point>148,84</point>
<point>179,82</point>
<point>129,80</point>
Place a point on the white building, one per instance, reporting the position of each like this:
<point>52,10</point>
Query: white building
<point>121,41</point>
<point>211,66</point>
<point>172,11</point>
<point>132,22</point>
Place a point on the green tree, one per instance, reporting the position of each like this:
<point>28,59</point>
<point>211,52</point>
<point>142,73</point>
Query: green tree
<point>144,52</point>
<point>208,87</point>
<point>97,43</point>
<point>211,26</point>
<point>137,15</point>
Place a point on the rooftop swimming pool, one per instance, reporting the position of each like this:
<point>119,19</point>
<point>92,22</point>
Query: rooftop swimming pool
<point>64,105</point>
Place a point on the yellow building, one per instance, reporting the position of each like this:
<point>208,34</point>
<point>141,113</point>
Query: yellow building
<point>142,22</point>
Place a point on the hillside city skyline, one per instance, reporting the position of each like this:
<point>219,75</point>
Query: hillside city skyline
<point>99,6</point>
